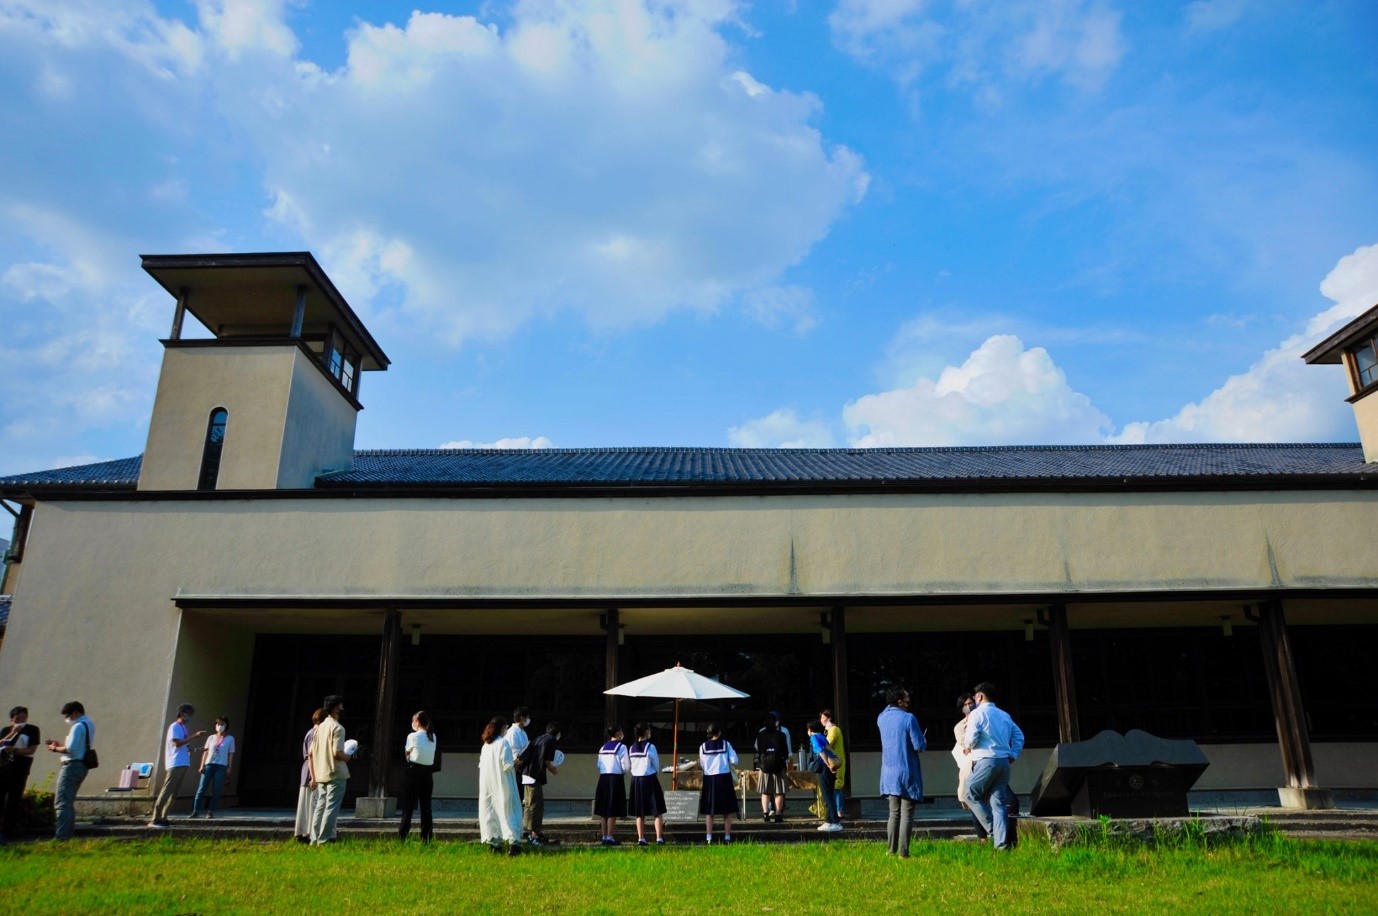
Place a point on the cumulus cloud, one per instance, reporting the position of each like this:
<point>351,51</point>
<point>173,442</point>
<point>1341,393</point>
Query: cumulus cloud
<point>1002,394</point>
<point>1280,398</point>
<point>782,428</point>
<point>458,177</point>
<point>987,46</point>
<point>605,157</point>
<point>512,442</point>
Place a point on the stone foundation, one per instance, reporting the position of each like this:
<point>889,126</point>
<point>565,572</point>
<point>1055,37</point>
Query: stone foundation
<point>1080,831</point>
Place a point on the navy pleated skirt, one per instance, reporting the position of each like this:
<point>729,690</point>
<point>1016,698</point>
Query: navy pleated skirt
<point>610,800</point>
<point>647,799</point>
<point>717,796</point>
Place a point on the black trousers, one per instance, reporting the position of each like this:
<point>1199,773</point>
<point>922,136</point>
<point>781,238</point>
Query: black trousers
<point>13,776</point>
<point>416,789</point>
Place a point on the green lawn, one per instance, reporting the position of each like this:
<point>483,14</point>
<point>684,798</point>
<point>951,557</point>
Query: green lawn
<point>166,875</point>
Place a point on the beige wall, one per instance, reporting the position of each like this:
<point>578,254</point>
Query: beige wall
<point>1366,415</point>
<point>287,423</point>
<point>94,617</point>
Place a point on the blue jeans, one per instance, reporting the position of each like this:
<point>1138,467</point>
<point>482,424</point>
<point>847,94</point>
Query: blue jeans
<point>69,780</point>
<point>837,802</point>
<point>990,779</point>
<point>827,782</point>
<point>213,778</point>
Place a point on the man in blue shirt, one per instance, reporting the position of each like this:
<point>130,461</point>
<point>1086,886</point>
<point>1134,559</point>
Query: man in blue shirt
<point>994,742</point>
<point>901,780</point>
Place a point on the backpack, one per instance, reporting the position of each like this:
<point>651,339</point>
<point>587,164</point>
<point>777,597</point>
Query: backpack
<point>771,749</point>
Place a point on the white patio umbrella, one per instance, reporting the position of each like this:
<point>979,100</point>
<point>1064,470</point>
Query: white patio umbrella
<point>677,683</point>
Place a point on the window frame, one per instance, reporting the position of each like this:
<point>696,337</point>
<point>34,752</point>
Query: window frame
<point>213,449</point>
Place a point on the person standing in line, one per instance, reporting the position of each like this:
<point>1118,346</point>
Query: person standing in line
<point>538,764</point>
<point>993,742</point>
<point>825,764</point>
<point>419,780</point>
<point>901,779</point>
<point>306,793</point>
<point>75,751</point>
<point>647,798</point>
<point>176,762</point>
<point>610,797</point>
<point>17,748</point>
<point>499,805</point>
<point>217,761</point>
<point>833,732</point>
<point>772,768</point>
<point>329,771</point>
<point>789,747</point>
<point>517,738</point>
<point>959,731</point>
<point>717,757</point>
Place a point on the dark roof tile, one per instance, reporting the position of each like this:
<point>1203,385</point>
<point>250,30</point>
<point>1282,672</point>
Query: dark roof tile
<point>689,467</point>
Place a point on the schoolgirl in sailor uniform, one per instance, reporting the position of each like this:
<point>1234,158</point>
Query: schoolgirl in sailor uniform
<point>647,798</point>
<point>610,798</point>
<point>717,757</point>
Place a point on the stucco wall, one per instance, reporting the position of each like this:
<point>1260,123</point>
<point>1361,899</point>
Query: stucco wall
<point>319,431</point>
<point>93,618</point>
<point>287,423</point>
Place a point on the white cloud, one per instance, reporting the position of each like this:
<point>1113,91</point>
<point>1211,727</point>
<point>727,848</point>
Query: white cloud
<point>511,442</point>
<point>783,428</point>
<point>1001,394</point>
<point>990,47</point>
<point>1280,398</point>
<point>604,157</point>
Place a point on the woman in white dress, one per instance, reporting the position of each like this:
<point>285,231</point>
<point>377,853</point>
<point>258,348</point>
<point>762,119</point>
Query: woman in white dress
<point>499,804</point>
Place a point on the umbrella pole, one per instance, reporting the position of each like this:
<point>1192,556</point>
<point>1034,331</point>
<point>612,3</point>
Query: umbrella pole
<point>674,761</point>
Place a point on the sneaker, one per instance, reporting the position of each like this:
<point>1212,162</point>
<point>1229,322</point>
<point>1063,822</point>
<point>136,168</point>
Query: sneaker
<point>660,841</point>
<point>515,849</point>
<point>823,827</point>
<point>642,842</point>
<point>547,841</point>
<point>193,816</point>
<point>727,841</point>
<point>159,825</point>
<point>209,815</point>
<point>614,841</point>
<point>834,828</point>
<point>533,841</point>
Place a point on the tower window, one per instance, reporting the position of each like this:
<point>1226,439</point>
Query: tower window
<point>215,444</point>
<point>1366,362</point>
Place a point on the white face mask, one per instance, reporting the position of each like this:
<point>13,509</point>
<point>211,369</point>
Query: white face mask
<point>220,729</point>
<point>68,720</point>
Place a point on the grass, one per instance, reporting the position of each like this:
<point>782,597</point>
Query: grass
<point>166,875</point>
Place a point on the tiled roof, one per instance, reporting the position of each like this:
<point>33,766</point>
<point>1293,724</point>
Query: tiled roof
<point>726,466</point>
<point>123,472</point>
<point>719,467</point>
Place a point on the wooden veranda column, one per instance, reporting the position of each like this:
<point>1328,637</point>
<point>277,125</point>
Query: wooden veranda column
<point>613,628</point>
<point>389,661</point>
<point>1294,739</point>
<point>837,633</point>
<point>1064,683</point>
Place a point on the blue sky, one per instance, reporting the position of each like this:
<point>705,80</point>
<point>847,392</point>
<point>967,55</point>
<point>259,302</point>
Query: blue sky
<point>712,223</point>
